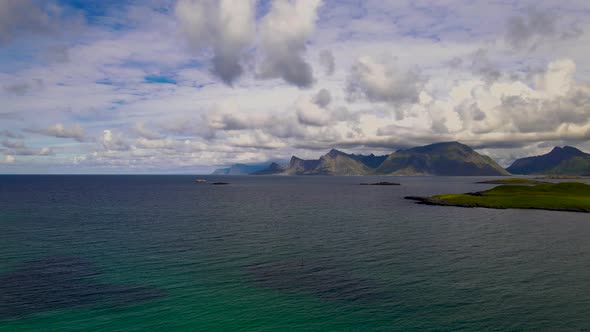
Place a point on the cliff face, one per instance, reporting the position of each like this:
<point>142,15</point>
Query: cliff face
<point>559,161</point>
<point>299,166</point>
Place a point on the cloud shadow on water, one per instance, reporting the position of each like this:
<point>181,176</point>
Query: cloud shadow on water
<point>63,282</point>
<point>326,281</point>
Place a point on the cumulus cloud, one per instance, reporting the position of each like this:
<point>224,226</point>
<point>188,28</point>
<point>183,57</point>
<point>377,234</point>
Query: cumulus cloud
<point>482,65</point>
<point>486,96</point>
<point>469,112</point>
<point>60,131</point>
<point>112,141</point>
<point>379,82</point>
<point>8,159</point>
<point>327,61</point>
<point>315,111</point>
<point>188,127</point>
<point>510,114</point>
<point>284,32</point>
<point>323,98</point>
<point>225,119</point>
<point>225,26</point>
<point>556,101</point>
<point>311,114</point>
<point>284,126</point>
<point>558,78</point>
<point>255,139</point>
<point>143,132</point>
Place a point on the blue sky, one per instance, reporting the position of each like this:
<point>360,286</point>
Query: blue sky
<point>190,85</point>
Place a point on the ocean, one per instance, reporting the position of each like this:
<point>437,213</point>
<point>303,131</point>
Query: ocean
<point>163,253</point>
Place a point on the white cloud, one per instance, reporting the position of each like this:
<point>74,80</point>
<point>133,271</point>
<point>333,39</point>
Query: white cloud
<point>256,139</point>
<point>310,113</point>
<point>284,32</point>
<point>143,132</point>
<point>226,26</point>
<point>60,131</point>
<point>8,159</point>
<point>112,141</point>
<point>380,82</point>
<point>455,76</point>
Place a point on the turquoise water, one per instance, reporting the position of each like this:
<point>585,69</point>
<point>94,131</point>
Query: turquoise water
<point>136,253</point>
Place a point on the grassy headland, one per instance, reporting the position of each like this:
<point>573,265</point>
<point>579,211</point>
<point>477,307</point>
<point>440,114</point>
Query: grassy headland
<point>566,196</point>
<point>514,182</point>
<point>562,177</point>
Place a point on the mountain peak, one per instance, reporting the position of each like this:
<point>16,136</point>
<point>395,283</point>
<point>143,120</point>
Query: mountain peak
<point>565,160</point>
<point>567,151</point>
<point>333,153</point>
<point>571,149</point>
<point>455,143</point>
<point>445,158</point>
<point>294,158</point>
<point>442,146</point>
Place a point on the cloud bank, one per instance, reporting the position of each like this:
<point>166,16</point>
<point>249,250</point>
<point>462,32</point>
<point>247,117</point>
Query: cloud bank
<point>188,85</point>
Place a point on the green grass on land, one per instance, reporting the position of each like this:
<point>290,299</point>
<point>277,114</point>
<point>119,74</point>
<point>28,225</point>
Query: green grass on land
<point>514,181</point>
<point>568,196</point>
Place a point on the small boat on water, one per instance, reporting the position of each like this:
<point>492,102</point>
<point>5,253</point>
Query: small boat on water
<point>201,180</point>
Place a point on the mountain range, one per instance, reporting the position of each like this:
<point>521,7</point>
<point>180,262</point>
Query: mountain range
<point>447,159</point>
<point>332,163</point>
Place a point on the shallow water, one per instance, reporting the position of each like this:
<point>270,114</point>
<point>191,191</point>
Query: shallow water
<point>130,253</point>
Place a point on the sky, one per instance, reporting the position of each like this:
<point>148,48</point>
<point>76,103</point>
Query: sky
<point>187,86</point>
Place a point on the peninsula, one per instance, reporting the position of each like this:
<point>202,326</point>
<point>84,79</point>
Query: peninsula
<point>565,196</point>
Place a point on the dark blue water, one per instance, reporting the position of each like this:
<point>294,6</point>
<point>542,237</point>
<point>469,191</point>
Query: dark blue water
<point>124,253</point>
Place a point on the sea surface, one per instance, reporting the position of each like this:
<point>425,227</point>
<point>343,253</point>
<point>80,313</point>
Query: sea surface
<point>163,253</point>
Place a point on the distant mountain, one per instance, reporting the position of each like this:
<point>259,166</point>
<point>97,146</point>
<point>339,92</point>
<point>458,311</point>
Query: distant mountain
<point>332,163</point>
<point>239,169</point>
<point>298,166</point>
<point>449,158</point>
<point>371,160</point>
<point>272,169</point>
<point>339,163</point>
<point>560,161</point>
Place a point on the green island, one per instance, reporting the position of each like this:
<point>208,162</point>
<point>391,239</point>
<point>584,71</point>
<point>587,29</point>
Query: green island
<point>565,196</point>
<point>514,182</point>
<point>562,177</point>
